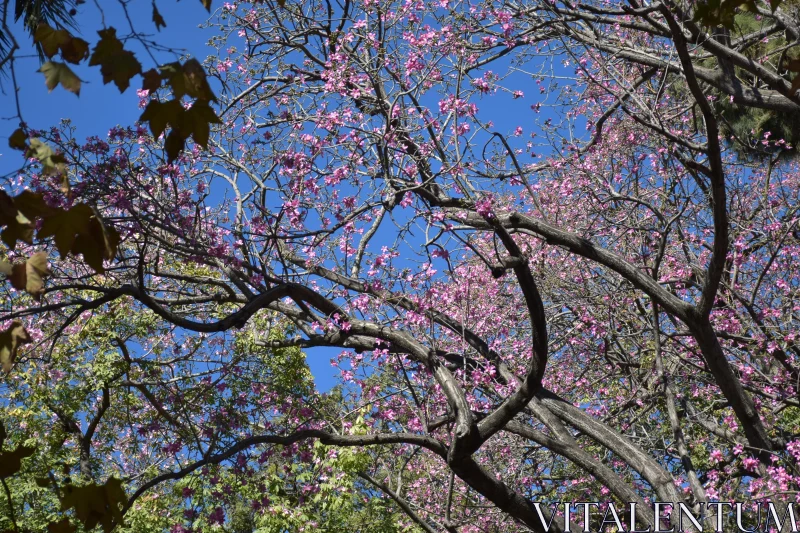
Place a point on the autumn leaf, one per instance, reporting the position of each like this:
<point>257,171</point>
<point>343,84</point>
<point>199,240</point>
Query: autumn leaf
<point>62,526</point>
<point>206,4</point>
<point>116,63</point>
<point>75,50</point>
<point>55,73</point>
<point>201,116</point>
<point>10,340</point>
<point>17,226</point>
<point>11,462</point>
<point>96,245</point>
<point>32,205</point>
<point>158,20</point>
<point>187,79</point>
<point>50,39</point>
<point>152,80</point>
<point>160,114</point>
<point>96,504</point>
<point>29,276</point>
<point>18,140</point>
<point>65,226</point>
<point>52,163</point>
<point>196,82</point>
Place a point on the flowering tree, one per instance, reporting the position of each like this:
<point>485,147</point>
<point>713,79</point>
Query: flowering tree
<point>593,300</point>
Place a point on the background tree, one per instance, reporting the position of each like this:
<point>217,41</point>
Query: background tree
<point>603,309</point>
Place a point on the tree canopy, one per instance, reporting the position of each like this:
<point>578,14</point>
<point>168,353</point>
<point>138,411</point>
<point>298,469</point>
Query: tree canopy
<point>552,265</point>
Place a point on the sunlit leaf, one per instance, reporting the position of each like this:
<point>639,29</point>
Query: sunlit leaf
<point>206,4</point>
<point>96,504</point>
<point>52,163</point>
<point>29,276</point>
<point>56,72</point>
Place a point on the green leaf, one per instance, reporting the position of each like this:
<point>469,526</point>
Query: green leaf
<point>11,462</point>
<point>18,140</point>
<point>158,20</point>
<point>55,73</point>
<point>96,504</point>
<point>116,63</point>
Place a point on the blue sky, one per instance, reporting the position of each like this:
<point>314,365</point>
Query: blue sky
<point>101,107</point>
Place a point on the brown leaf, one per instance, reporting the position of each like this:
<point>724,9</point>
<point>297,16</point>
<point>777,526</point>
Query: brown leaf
<point>29,276</point>
<point>18,227</point>
<point>18,140</point>
<point>62,526</point>
<point>65,226</point>
<point>116,63</point>
<point>196,82</point>
<point>11,462</point>
<point>55,73</point>
<point>152,80</point>
<point>50,38</point>
<point>96,504</point>
<point>158,20</point>
<point>10,340</point>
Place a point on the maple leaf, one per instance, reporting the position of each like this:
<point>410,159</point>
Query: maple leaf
<point>116,63</point>
<point>55,73</point>
<point>18,140</point>
<point>65,226</point>
<point>11,462</point>
<point>18,226</point>
<point>10,340</point>
<point>96,504</point>
<point>29,276</point>
<point>158,20</point>
<point>62,526</point>
<point>50,39</point>
<point>152,80</point>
